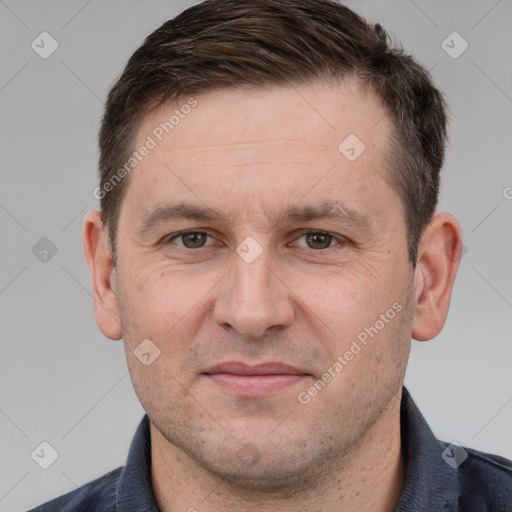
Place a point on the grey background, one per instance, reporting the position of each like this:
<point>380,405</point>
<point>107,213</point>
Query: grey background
<point>63,382</point>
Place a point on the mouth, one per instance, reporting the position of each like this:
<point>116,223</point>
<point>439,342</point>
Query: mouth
<point>254,380</point>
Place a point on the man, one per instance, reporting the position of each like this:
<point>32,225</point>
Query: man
<point>267,247</point>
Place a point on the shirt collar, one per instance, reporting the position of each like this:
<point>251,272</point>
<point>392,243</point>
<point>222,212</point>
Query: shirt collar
<point>429,480</point>
<point>133,491</point>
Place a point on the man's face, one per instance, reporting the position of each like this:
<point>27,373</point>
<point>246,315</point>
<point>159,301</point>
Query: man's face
<point>258,286</point>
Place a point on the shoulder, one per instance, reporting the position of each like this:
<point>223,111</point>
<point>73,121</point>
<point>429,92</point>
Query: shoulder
<point>484,479</point>
<point>447,476</point>
<point>98,495</point>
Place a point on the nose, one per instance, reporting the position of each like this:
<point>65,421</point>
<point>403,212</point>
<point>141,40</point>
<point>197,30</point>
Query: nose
<point>253,298</point>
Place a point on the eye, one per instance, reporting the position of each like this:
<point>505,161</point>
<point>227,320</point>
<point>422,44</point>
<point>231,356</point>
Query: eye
<point>319,240</point>
<point>190,239</point>
<point>312,240</point>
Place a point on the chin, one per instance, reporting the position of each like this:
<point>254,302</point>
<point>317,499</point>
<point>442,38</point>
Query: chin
<point>263,476</point>
<point>282,466</point>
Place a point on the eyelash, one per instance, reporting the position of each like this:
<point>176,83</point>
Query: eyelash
<point>341,240</point>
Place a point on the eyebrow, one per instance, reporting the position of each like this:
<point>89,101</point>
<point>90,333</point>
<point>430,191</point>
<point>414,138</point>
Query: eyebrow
<point>328,210</point>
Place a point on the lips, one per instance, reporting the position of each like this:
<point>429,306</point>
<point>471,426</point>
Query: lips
<point>239,368</point>
<point>253,380</point>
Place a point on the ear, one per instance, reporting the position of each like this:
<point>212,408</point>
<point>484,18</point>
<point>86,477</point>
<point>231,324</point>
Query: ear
<point>103,274</point>
<point>439,254</point>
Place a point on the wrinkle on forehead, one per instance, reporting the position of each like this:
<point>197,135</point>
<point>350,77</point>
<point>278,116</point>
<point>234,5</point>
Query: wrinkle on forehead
<point>247,154</point>
<point>253,143</point>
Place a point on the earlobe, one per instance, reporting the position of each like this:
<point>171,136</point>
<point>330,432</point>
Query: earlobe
<point>438,260</point>
<point>103,275</point>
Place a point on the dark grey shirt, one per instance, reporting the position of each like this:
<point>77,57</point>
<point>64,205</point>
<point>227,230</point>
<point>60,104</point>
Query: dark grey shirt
<point>440,476</point>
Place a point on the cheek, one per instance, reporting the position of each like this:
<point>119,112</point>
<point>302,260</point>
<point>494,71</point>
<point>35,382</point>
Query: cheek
<point>158,295</point>
<point>163,305</point>
<point>356,307</point>
<point>156,306</point>
<point>341,303</point>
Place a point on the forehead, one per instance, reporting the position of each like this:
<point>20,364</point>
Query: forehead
<point>313,113</point>
<point>264,146</point>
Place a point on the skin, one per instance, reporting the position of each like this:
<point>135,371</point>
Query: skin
<point>301,302</point>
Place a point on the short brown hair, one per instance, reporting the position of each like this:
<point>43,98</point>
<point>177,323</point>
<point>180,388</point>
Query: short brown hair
<point>259,43</point>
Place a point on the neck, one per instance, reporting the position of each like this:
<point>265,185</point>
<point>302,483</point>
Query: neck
<point>370,477</point>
